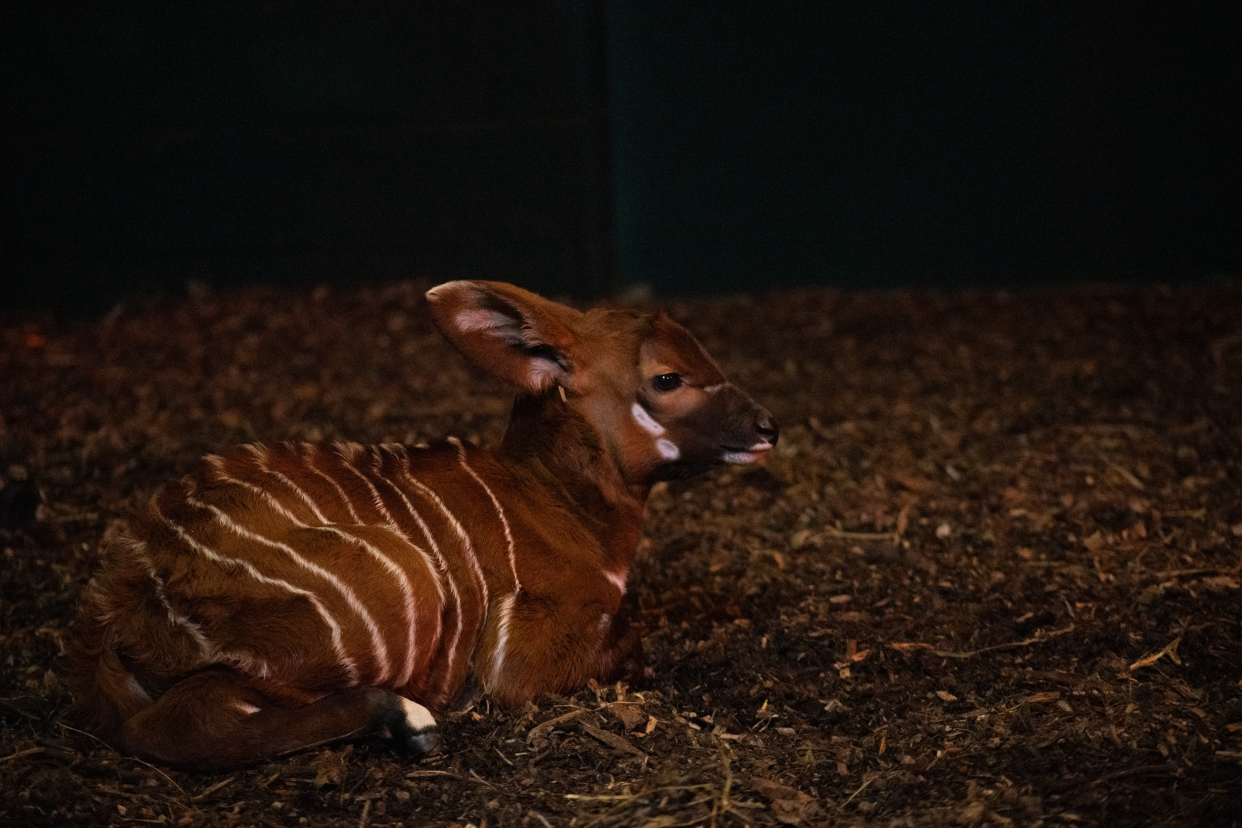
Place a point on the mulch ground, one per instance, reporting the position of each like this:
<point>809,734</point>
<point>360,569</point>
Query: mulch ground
<point>989,577</point>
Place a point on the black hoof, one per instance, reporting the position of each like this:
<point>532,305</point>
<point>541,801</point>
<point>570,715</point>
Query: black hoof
<point>422,743</point>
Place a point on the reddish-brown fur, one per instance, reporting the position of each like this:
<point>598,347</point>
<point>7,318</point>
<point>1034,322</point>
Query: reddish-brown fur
<point>281,596</point>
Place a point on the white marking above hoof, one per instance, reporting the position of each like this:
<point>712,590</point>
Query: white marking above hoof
<point>417,717</point>
<point>421,735</point>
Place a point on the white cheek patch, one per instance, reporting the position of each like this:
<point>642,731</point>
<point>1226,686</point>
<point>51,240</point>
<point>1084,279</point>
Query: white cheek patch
<point>645,421</point>
<point>247,708</point>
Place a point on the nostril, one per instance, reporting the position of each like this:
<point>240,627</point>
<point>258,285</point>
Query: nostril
<point>765,426</point>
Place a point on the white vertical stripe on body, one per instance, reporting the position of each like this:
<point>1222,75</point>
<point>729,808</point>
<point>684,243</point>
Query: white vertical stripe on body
<point>338,646</point>
<point>283,478</point>
<point>500,512</point>
<point>467,548</point>
<point>466,543</point>
<point>439,573</point>
<point>267,497</point>
<point>312,451</point>
<point>436,566</point>
<point>378,647</point>
<point>507,602</point>
<point>345,451</point>
<point>342,532</point>
<point>258,451</point>
<point>502,635</point>
<point>138,550</point>
<point>407,592</point>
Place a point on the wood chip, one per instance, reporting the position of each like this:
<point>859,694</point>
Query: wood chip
<point>611,739</point>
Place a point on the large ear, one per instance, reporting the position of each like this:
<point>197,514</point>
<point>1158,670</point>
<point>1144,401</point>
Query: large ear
<point>510,333</point>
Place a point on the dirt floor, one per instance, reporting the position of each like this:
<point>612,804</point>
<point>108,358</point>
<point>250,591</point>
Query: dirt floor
<point>989,577</point>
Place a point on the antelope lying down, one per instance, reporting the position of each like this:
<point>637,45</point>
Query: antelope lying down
<point>279,597</point>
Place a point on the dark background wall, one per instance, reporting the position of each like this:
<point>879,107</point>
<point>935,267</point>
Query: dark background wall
<point>585,147</point>
<point>148,144</point>
<point>927,144</point>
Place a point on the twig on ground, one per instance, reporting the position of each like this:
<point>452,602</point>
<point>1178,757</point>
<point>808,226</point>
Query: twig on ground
<point>171,781</point>
<point>1038,639</point>
<point>19,754</point>
<point>870,778</point>
<point>832,531</point>
<point>1170,650</point>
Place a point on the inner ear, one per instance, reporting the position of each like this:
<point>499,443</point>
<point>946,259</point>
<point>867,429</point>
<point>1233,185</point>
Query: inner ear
<point>547,365</point>
<point>546,352</point>
<point>513,334</point>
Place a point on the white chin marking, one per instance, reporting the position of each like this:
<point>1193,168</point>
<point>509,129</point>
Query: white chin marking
<point>645,420</point>
<point>417,718</point>
<point>754,453</point>
<point>247,708</point>
<point>667,450</point>
<point>741,457</point>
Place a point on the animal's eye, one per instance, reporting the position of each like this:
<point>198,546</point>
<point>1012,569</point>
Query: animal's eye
<point>667,382</point>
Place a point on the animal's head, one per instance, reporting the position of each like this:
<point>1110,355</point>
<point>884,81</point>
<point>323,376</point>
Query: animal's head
<point>657,402</point>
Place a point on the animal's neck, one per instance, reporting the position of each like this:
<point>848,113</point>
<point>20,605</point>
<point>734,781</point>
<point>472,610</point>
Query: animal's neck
<point>558,448</point>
